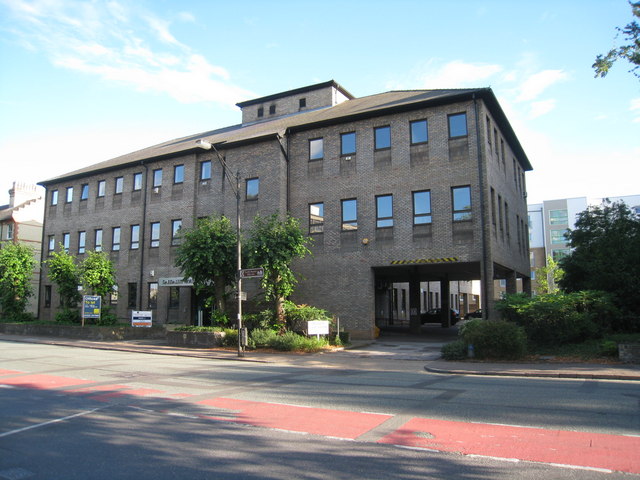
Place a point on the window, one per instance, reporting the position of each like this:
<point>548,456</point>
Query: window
<point>10,231</point>
<point>349,214</point>
<point>559,253</point>
<point>421,207</point>
<point>52,244</point>
<point>205,170</point>
<point>419,132</point>
<point>302,103</point>
<point>98,246</point>
<point>316,149</point>
<point>557,236</point>
<point>84,192</point>
<point>47,296</point>
<point>54,197</point>
<point>155,235</point>
<point>69,198</point>
<point>176,225</point>
<point>174,297</point>
<point>137,181</point>
<point>157,178</point>
<point>135,237</point>
<point>316,217</point>
<point>272,109</point>
<point>153,296</point>
<point>132,295</point>
<point>252,188</point>
<point>82,241</point>
<point>348,143</point>
<point>384,211</point>
<point>65,242</point>
<point>260,112</point>
<point>178,174</point>
<point>119,185</point>
<point>461,200</point>
<point>102,187</point>
<point>558,217</point>
<point>458,125</point>
<point>382,137</point>
<point>115,239</point>
<point>114,295</point>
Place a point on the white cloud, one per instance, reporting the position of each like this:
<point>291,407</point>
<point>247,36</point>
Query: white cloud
<point>457,74</point>
<point>542,107</point>
<point>537,83</point>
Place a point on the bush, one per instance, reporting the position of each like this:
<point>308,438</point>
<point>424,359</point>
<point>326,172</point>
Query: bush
<point>291,341</point>
<point>455,350</point>
<point>609,348</point>
<point>195,328</point>
<point>297,316</point>
<point>68,316</point>
<point>495,339</point>
<point>266,319</point>
<point>262,337</point>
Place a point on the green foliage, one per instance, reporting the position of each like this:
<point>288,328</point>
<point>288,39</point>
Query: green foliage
<point>559,318</point>
<point>495,339</point>
<point>273,244</point>
<point>219,318</point>
<point>609,348</point>
<point>297,316</point>
<point>97,273</point>
<point>290,341</point>
<point>64,272</point>
<point>263,337</point>
<point>629,52</point>
<point>207,254</point>
<point>16,268</point>
<point>605,254</point>
<point>195,328</point>
<point>265,319</point>
<point>456,350</point>
<point>549,276</point>
<point>230,337</point>
<point>68,316</point>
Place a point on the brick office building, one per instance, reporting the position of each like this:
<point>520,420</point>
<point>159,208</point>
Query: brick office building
<point>410,187</point>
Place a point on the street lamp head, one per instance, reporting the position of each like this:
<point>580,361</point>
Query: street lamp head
<point>204,144</point>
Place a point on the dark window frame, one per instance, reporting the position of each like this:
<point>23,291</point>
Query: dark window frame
<point>344,153</point>
<point>375,138</point>
<point>348,224</point>
<point>205,176</point>
<point>137,181</point>
<point>101,190</point>
<point>84,192</point>
<point>115,246</point>
<point>118,186</point>
<point>154,235</point>
<point>134,243</point>
<point>175,235</point>
<point>411,131</point>
<point>426,215</point>
<point>316,158</point>
<point>461,214</point>
<point>316,226</point>
<point>176,169</point>
<point>386,221</point>
<point>248,182</point>
<point>466,125</point>
<point>157,178</point>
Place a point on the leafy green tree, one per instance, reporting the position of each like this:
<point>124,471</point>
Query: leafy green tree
<point>98,274</point>
<point>605,254</point>
<point>16,268</point>
<point>273,245</point>
<point>549,276</point>
<point>629,52</point>
<point>207,254</point>
<point>64,272</point>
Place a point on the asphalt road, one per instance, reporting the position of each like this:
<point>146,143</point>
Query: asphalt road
<point>81,413</point>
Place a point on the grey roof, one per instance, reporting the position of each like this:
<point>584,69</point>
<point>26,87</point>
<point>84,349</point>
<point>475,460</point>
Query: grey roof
<point>350,110</point>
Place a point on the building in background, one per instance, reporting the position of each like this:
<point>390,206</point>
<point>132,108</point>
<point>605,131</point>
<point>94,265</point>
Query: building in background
<point>419,188</point>
<point>21,222</point>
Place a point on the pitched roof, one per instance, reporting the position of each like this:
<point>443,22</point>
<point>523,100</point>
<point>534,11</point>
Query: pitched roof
<point>351,110</point>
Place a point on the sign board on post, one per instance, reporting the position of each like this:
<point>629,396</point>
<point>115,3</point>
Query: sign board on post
<point>252,273</point>
<point>91,306</point>
<point>318,327</point>
<point>141,318</point>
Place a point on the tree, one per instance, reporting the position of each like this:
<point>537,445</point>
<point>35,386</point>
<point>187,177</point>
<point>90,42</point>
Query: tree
<point>98,274</point>
<point>630,52</point>
<point>273,245</point>
<point>549,276</point>
<point>605,254</point>
<point>16,268</point>
<point>64,272</point>
<point>207,254</point>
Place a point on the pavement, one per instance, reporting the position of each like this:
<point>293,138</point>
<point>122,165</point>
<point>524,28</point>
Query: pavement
<point>388,352</point>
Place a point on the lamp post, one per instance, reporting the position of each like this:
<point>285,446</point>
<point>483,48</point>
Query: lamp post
<point>205,145</point>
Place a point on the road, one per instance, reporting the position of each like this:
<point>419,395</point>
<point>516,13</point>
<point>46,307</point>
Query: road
<point>84,413</point>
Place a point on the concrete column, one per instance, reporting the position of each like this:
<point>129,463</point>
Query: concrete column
<point>445,304</point>
<point>526,285</point>
<point>488,291</point>
<point>414,302</point>
<point>512,285</point>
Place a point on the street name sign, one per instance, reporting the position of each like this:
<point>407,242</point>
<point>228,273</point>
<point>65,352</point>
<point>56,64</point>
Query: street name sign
<point>252,273</point>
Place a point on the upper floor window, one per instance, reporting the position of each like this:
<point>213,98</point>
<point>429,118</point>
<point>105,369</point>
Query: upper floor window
<point>558,236</point>
<point>260,112</point>
<point>348,143</point>
<point>119,185</point>
<point>302,103</point>
<point>178,174</point>
<point>54,197</point>
<point>157,178</point>
<point>421,207</point>
<point>115,239</point>
<point>384,211</point>
<point>457,125</point>
<point>102,187</point>
<point>205,170</point>
<point>135,237</point>
<point>52,244</point>
<point>272,109</point>
<point>382,137</point>
<point>155,234</point>
<point>316,149</point>
<point>84,191</point>
<point>316,217</point>
<point>558,217</point>
<point>98,245</point>
<point>9,231</point>
<point>176,225</point>
<point>69,198</point>
<point>252,188</point>
<point>461,201</point>
<point>82,241</point>
<point>419,132</point>
<point>137,181</point>
<point>65,242</point>
<point>349,214</point>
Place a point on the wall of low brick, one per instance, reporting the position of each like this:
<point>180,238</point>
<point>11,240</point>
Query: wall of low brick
<point>195,339</point>
<point>629,352</point>
<point>84,333</point>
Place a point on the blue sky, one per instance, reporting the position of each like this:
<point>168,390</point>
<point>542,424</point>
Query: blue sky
<point>85,81</point>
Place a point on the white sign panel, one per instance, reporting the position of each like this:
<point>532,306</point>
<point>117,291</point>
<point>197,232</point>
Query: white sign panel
<point>175,282</point>
<point>318,327</point>
<point>141,318</point>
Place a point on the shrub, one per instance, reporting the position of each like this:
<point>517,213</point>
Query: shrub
<point>455,350</point>
<point>262,337</point>
<point>297,316</point>
<point>195,328</point>
<point>609,348</point>
<point>495,339</point>
<point>291,341</point>
<point>230,337</point>
<point>68,316</point>
<point>266,319</point>
<point>219,318</point>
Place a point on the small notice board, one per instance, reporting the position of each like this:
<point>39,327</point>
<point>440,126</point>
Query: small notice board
<point>141,318</point>
<point>91,306</point>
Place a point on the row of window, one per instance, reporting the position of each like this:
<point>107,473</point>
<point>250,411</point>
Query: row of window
<point>419,133</point>
<point>421,201</point>
<point>252,184</point>
<point>116,237</point>
<point>518,174</point>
